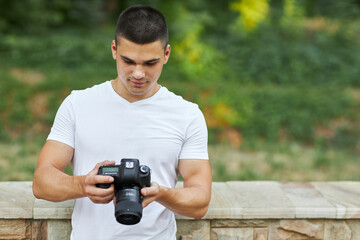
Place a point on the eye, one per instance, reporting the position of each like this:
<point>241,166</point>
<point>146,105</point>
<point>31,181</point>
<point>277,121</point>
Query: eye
<point>128,61</point>
<point>151,63</point>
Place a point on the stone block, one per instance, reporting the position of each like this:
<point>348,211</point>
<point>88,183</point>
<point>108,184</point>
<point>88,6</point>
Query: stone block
<point>308,228</point>
<point>232,234</point>
<point>308,201</point>
<point>220,223</point>
<point>260,233</point>
<point>295,230</point>
<point>261,200</point>
<point>15,229</point>
<point>193,229</point>
<point>354,226</point>
<point>342,195</point>
<point>223,204</point>
<point>38,230</point>
<point>53,210</point>
<point>337,230</point>
<point>58,229</point>
<point>16,200</point>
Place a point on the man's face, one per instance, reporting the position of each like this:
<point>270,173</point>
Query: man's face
<point>139,67</point>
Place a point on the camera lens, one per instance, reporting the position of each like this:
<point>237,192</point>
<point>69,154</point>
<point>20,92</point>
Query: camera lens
<point>128,208</point>
<point>129,218</point>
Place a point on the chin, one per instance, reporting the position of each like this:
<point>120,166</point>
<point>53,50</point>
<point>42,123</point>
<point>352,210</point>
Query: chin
<point>137,92</point>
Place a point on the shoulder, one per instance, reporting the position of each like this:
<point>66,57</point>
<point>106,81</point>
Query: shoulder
<point>89,94</point>
<point>94,90</point>
<point>177,102</point>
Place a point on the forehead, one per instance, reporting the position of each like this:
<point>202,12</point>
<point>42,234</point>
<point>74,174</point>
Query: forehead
<point>144,51</point>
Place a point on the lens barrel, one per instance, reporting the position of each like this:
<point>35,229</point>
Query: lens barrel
<point>128,208</point>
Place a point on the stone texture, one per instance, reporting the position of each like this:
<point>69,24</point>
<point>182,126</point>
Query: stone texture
<point>354,226</point>
<point>193,229</point>
<point>238,210</point>
<point>337,230</point>
<point>58,229</point>
<point>237,223</point>
<point>232,234</point>
<point>53,210</point>
<point>15,229</point>
<point>16,200</point>
<point>38,230</point>
<point>223,203</point>
<point>344,196</point>
<point>308,201</point>
<point>260,233</point>
<point>313,229</point>
<point>277,232</point>
<point>261,200</point>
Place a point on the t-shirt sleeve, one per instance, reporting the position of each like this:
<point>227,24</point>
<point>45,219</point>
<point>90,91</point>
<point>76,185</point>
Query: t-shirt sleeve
<point>63,129</point>
<point>196,138</point>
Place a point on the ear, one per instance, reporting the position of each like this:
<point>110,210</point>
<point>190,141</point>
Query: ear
<point>113,49</point>
<point>167,53</point>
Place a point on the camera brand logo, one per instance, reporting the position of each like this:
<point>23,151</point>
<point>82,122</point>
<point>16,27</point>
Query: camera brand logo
<point>129,165</point>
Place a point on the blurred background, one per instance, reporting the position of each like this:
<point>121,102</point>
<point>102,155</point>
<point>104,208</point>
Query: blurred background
<point>277,80</point>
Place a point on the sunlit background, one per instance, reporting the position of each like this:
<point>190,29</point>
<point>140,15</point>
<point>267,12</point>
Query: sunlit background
<point>278,81</point>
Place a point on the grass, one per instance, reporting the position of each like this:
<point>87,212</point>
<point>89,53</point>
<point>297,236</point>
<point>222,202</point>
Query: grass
<point>282,162</point>
<point>18,159</point>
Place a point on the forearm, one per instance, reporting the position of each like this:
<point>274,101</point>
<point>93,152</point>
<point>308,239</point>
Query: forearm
<point>189,201</point>
<point>54,185</point>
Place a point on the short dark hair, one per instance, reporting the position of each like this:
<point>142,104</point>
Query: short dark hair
<point>141,25</point>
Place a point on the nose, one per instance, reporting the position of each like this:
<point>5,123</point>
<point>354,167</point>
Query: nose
<point>138,72</point>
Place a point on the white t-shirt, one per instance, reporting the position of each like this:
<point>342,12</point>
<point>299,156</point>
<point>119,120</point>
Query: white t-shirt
<point>100,125</point>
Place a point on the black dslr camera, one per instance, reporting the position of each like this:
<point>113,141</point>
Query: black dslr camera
<point>129,178</point>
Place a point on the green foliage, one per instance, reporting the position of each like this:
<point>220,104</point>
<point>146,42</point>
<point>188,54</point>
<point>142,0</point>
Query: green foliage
<point>296,110</point>
<point>294,72</point>
<point>72,48</point>
<point>35,16</point>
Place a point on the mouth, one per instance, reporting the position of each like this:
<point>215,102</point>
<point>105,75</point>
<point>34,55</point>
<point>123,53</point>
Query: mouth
<point>137,83</point>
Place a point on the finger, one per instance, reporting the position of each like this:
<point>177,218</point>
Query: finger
<point>152,190</point>
<point>146,201</point>
<point>95,179</point>
<point>93,191</point>
<point>97,199</point>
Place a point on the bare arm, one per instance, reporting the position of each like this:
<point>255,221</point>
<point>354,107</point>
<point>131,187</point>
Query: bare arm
<point>51,183</point>
<point>193,199</point>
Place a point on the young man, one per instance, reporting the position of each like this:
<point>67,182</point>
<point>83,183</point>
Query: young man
<point>129,117</point>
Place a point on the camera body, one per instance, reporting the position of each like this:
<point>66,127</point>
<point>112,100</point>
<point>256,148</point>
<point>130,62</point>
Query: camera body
<point>129,178</point>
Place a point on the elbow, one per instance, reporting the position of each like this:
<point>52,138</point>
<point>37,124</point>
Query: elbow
<point>36,190</point>
<point>201,213</point>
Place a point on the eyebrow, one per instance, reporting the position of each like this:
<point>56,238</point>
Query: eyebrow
<point>147,61</point>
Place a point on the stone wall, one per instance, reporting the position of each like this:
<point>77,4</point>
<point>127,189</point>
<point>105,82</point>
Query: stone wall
<point>238,210</point>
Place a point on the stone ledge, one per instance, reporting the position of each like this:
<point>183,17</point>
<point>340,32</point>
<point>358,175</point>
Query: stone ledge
<point>276,200</point>
<point>230,200</point>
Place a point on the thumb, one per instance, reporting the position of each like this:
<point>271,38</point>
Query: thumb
<point>152,190</point>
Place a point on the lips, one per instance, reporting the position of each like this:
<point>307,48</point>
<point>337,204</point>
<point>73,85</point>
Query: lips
<point>137,83</point>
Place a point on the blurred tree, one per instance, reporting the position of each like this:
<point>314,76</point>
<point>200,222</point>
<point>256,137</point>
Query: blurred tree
<point>251,12</point>
<point>34,16</point>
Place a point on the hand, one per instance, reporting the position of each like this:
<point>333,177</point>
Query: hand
<point>150,194</point>
<point>95,194</point>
